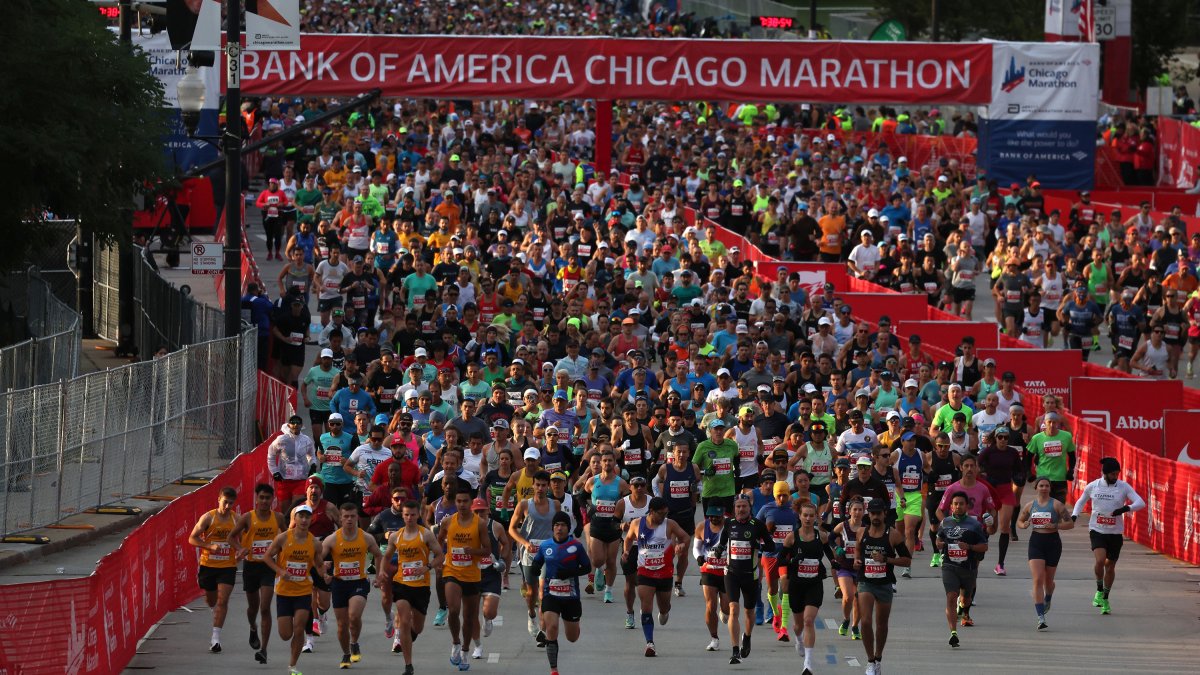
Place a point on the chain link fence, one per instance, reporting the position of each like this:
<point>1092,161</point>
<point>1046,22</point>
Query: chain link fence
<point>166,316</point>
<point>103,437</point>
<point>51,353</point>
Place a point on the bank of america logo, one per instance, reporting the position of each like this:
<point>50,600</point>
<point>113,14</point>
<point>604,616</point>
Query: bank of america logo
<point>1014,76</point>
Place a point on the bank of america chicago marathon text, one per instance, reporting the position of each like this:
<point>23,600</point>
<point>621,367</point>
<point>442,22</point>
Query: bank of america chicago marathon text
<point>628,70</point>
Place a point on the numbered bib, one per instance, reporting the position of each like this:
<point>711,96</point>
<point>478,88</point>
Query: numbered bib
<point>1125,342</point>
<point>349,570</point>
<point>1040,520</point>
<point>781,532</point>
<point>874,570</point>
<point>1052,448</point>
<point>560,588</point>
<point>296,571</point>
<point>412,571</point>
<point>605,507</point>
<point>1106,521</point>
<point>459,557</point>
<point>221,554</point>
<point>680,488</point>
<point>943,481</point>
<point>723,466</point>
<point>739,550</point>
<point>808,568</point>
<point>956,552</point>
<point>296,338</point>
<point>258,549</point>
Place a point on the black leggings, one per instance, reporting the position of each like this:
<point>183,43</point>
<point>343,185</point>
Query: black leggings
<point>274,228</point>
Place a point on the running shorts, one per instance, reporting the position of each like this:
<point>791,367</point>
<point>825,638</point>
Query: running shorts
<point>208,578</point>
<point>912,505</point>
<point>288,605</point>
<point>489,582</point>
<point>1111,543</point>
<point>256,575</point>
<point>605,530</point>
<point>629,565</point>
<point>659,584</point>
<point>318,580</point>
<point>417,597</point>
<point>717,581</point>
<point>742,588</point>
<point>685,519</point>
<point>567,609</point>
<point>342,591</point>
<point>803,594</point>
<point>318,416</point>
<point>1045,546</point>
<point>327,304</point>
<point>957,578</point>
<point>469,588</point>
<point>882,592</point>
<point>1004,495</point>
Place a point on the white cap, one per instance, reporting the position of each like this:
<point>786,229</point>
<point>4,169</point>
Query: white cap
<point>862,392</point>
<point>884,218</point>
<point>532,453</point>
<point>892,415</point>
<point>910,382</point>
<point>334,417</point>
<point>741,328</point>
<point>303,508</point>
<point>723,371</point>
<point>824,321</point>
<point>421,352</point>
<point>873,213</point>
<point>327,353</point>
<point>902,159</point>
<point>831,137</point>
<point>942,179</point>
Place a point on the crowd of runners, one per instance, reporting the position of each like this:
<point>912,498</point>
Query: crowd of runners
<point>528,372</point>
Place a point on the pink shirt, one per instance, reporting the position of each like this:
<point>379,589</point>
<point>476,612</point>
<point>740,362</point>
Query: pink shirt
<point>979,498</point>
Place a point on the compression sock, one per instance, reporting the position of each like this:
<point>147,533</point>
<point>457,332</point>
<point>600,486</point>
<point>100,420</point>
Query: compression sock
<point>773,598</point>
<point>1099,585</point>
<point>552,653</point>
<point>785,610</point>
<point>648,626</point>
<point>1106,591</point>
<point>1040,607</point>
<point>1003,547</point>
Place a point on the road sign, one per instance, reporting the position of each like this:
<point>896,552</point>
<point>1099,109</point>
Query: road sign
<point>1106,22</point>
<point>207,258</point>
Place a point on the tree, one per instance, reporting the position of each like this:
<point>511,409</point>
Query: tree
<point>1157,36</point>
<point>83,123</point>
<point>958,20</point>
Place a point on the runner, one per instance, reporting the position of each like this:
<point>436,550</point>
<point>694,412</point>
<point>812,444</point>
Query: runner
<point>942,469</point>
<point>656,539</point>
<point>324,519</point>
<point>346,550</point>
<point>1053,451</point>
<point>604,532</point>
<point>250,538</point>
<point>817,459</point>
<point>385,524</point>
<point>741,543</point>
<point>879,550</point>
<point>907,470</point>
<point>750,449</point>
<point>712,571</point>
<point>417,552</point>
<point>491,571</point>
<point>1000,464</point>
<point>629,509</point>
<point>565,560</point>
<point>963,542</point>
<point>292,556</point>
<point>716,456</point>
<point>530,525</point>
<point>1111,499</point>
<point>845,538</point>
<point>780,521</point>
<point>678,481</point>
<point>979,505</point>
<point>803,549</point>
<point>218,565</point>
<point>466,540</point>
<point>1048,517</point>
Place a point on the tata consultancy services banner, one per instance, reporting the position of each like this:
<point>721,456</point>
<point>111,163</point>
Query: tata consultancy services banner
<point>1042,116</point>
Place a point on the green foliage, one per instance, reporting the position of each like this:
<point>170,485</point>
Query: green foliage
<point>81,122</point>
<point>1157,35</point>
<point>962,20</point>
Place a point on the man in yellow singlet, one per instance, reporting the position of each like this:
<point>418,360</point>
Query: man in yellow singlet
<point>250,539</point>
<point>417,553</point>
<point>347,550</point>
<point>466,540</point>
<point>218,567</point>
<point>291,556</point>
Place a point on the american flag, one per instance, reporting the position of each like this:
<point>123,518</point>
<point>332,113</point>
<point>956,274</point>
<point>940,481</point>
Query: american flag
<point>1087,21</point>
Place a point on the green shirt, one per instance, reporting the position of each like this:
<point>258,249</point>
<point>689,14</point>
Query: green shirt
<point>1051,454</point>
<point>712,249</point>
<point>323,381</point>
<point>480,391</point>
<point>719,461</point>
<point>491,377</point>
<point>943,418</point>
<point>686,294</point>
<point>417,286</point>
<point>306,204</point>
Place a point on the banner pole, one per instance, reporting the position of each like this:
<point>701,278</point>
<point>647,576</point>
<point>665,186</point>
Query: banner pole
<point>604,123</point>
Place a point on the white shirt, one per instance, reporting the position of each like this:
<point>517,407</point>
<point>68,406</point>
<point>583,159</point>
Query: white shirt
<point>850,443</point>
<point>866,258</point>
<point>1106,499</point>
<point>985,422</point>
<point>366,459</point>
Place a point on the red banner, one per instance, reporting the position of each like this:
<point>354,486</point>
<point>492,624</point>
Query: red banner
<point>1178,153</point>
<point>91,625</point>
<point>599,68</point>
<point>1129,408</point>
<point>273,405</point>
<point>1039,371</point>
<point>949,334</point>
<point>897,306</point>
<point>1181,430</point>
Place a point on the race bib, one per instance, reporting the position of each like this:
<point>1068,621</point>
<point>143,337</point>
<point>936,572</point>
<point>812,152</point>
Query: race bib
<point>296,571</point>
<point>606,507</point>
<point>906,287</point>
<point>383,247</point>
<point>349,570</point>
<point>769,444</point>
<point>486,562</point>
<point>1052,448</point>
<point>956,552</point>
<point>296,338</point>
<point>910,482</point>
<point>851,549</point>
<point>560,588</point>
<point>747,452</point>
<point>308,210</point>
<point>1171,331</point>
<point>1012,297</point>
<point>1124,342</point>
<point>680,488</point>
<point>258,549</point>
<point>831,239</point>
<point>459,557</point>
<point>820,468</point>
<point>272,212</point>
<point>359,302</point>
<point>323,393</point>
<point>631,456</point>
<point>837,509</point>
<point>1106,521</point>
<point>874,570</point>
<point>715,563</point>
<point>739,550</point>
<point>891,492</point>
<point>723,466</point>
<point>1040,520</point>
<point>943,481</point>
<point>331,285</point>
<point>412,571</point>
<point>808,568</point>
<point>931,286</point>
<point>967,275</point>
<point>653,560</point>
<point>781,532</point>
<point>222,552</point>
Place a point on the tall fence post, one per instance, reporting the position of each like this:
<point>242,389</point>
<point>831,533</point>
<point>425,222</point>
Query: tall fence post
<point>62,442</point>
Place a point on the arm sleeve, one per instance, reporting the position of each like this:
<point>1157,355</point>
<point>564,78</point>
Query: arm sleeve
<point>1087,494</point>
<point>768,544</point>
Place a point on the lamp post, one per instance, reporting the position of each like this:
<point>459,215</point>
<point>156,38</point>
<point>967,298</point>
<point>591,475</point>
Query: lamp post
<point>191,94</point>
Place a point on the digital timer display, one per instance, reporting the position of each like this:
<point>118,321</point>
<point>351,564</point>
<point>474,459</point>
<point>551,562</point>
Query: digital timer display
<point>780,22</point>
<point>110,12</point>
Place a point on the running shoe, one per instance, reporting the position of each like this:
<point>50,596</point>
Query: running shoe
<point>255,643</point>
<point>855,633</point>
<point>608,596</point>
<point>487,627</point>
<point>679,592</point>
<point>806,671</point>
<point>629,620</point>
<point>1097,598</point>
<point>294,671</point>
<point>600,584</point>
<point>1105,608</point>
<point>439,619</point>
<point>590,588</point>
<point>650,649</point>
<point>935,560</point>
<point>745,645</point>
<point>540,639</point>
<point>260,656</point>
<point>396,646</point>
<point>844,628</point>
<point>1047,610</point>
<point>214,647</point>
<point>782,636</point>
<point>1190,373</point>
<point>967,620</point>
<point>477,653</point>
<point>777,622</point>
<point>408,670</point>
<point>724,618</point>
<point>308,645</point>
<point>871,668</point>
<point>345,664</point>
<point>920,545</point>
<point>713,645</point>
<point>663,617</point>
<point>1000,571</point>
<point>389,631</point>
<point>736,658</point>
<point>1013,536</point>
<point>355,653</point>
<point>532,625</point>
<point>1042,622</point>
<point>954,638</point>
<point>455,655</point>
<point>906,572</point>
<point>837,594</point>
<point>316,627</point>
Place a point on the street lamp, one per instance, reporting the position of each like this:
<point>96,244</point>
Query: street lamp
<point>190,91</point>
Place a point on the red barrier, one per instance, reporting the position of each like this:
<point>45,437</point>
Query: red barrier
<point>949,334</point>
<point>195,194</point>
<point>250,271</point>
<point>274,404</point>
<point>1129,408</point>
<point>1178,153</point>
<point>1039,371</point>
<point>1181,428</point>
<point>91,626</point>
<point>897,306</point>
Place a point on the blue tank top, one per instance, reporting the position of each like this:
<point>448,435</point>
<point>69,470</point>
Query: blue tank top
<point>906,407</point>
<point>444,508</point>
<point>605,496</point>
<point>684,390</point>
<point>678,488</point>
<point>785,521</point>
<point>306,242</point>
<point>910,471</point>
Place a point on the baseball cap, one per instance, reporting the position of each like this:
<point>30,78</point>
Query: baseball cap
<point>558,475</point>
<point>877,505</point>
<point>907,436</point>
<point>842,463</point>
<point>334,417</point>
<point>893,415</point>
<point>714,510</point>
<point>718,422</point>
<point>910,382</point>
<point>327,353</point>
<point>863,392</point>
<point>421,352</point>
<point>863,461</point>
<point>479,504</point>
<point>316,480</point>
<point>303,508</point>
<point>531,453</point>
<point>856,414</point>
<point>561,393</point>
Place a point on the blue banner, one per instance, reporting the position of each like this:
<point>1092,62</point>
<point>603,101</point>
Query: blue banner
<point>183,152</point>
<point>1061,154</point>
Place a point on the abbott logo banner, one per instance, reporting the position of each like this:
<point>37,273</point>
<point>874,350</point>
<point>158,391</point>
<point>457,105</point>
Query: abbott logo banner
<point>1129,408</point>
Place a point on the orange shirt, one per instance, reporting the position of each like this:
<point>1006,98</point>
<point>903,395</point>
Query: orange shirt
<point>832,228</point>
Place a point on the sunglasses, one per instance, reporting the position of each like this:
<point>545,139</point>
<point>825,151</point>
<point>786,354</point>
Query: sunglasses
<point>334,424</point>
<point>377,438</point>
